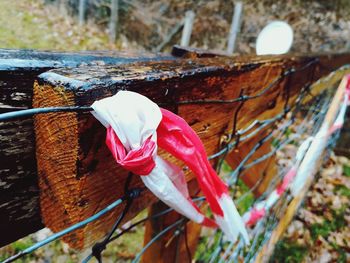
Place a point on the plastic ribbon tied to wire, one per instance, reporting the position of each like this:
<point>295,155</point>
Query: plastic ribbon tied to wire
<point>135,128</point>
<point>328,127</point>
<point>295,178</point>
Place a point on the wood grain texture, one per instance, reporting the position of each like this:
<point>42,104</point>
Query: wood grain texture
<point>95,179</point>
<point>19,192</point>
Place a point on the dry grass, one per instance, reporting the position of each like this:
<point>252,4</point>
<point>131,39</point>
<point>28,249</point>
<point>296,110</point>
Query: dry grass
<point>32,25</point>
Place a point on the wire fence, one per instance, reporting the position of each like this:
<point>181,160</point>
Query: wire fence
<point>308,125</point>
<point>290,127</point>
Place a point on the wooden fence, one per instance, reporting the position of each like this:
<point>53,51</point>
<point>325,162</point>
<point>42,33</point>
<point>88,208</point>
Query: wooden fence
<point>65,173</point>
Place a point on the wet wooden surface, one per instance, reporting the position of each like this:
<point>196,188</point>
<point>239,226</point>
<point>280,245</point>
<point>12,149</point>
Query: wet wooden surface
<point>77,174</point>
<point>19,193</point>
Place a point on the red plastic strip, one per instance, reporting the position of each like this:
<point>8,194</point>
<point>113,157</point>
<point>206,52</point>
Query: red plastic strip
<point>177,137</point>
<point>138,161</point>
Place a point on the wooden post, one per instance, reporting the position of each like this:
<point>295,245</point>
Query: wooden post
<point>82,11</point>
<point>343,145</point>
<point>113,22</point>
<point>187,30</point>
<point>235,27</point>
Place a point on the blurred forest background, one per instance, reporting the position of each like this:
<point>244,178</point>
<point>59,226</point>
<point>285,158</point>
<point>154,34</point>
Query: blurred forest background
<point>156,25</point>
<point>321,230</point>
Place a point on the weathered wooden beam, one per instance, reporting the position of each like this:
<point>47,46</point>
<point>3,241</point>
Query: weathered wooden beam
<point>77,174</point>
<point>19,193</point>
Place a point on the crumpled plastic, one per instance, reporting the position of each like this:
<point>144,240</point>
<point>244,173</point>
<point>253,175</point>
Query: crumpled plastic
<point>177,137</point>
<point>135,128</point>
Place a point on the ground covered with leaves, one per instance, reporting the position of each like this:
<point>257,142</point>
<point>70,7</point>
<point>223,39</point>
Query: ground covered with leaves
<point>321,230</point>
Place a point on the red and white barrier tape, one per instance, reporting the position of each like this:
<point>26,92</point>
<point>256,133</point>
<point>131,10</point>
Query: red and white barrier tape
<point>294,178</point>
<point>261,208</point>
<point>135,128</point>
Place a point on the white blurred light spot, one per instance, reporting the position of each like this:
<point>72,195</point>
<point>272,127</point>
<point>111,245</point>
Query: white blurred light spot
<point>276,38</point>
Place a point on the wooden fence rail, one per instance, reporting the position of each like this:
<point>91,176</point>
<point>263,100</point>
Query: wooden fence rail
<point>76,173</point>
<point>19,194</point>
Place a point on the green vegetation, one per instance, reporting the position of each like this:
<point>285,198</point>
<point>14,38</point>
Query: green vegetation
<point>335,224</point>
<point>244,204</point>
<point>343,190</point>
<point>321,232</point>
<point>17,247</point>
<point>207,244</point>
<point>346,170</point>
<point>204,252</point>
<point>247,201</point>
<point>121,250</point>
<point>341,253</point>
<point>289,252</point>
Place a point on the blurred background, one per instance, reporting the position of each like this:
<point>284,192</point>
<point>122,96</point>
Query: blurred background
<point>319,26</point>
